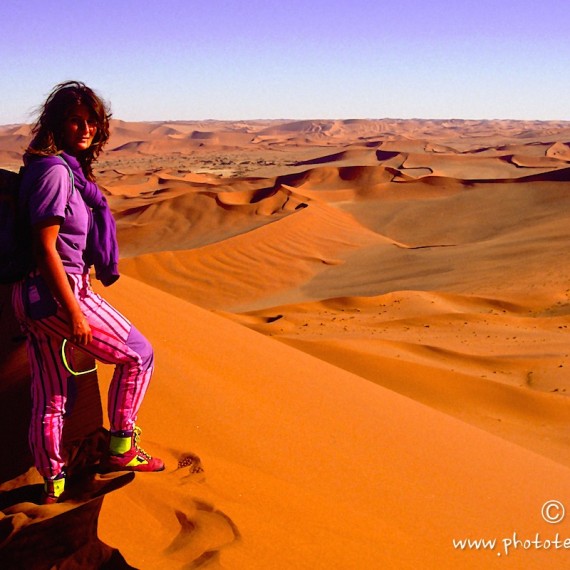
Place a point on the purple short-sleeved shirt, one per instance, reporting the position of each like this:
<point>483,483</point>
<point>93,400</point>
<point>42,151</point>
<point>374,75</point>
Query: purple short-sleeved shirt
<point>47,192</point>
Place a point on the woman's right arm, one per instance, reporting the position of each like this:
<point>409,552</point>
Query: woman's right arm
<point>51,268</point>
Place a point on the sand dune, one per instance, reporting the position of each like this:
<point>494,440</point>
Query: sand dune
<point>361,467</point>
<point>245,269</point>
<point>503,353</point>
<point>361,332</point>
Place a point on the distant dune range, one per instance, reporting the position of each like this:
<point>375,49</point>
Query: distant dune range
<point>362,329</point>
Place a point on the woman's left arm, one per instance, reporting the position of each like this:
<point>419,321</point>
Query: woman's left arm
<point>52,270</point>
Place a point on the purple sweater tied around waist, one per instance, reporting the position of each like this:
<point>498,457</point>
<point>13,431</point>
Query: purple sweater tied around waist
<point>102,249</point>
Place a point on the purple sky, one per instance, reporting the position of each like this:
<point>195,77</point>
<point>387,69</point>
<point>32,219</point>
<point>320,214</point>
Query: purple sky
<point>202,59</point>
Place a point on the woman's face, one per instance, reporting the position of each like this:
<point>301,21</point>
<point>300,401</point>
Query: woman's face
<point>79,130</point>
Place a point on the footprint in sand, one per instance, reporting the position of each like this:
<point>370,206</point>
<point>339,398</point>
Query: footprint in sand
<point>203,532</point>
<point>192,461</point>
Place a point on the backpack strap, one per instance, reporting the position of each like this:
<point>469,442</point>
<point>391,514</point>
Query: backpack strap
<point>70,172</point>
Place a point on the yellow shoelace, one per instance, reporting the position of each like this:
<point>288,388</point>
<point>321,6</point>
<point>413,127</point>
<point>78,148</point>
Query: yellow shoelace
<point>137,431</point>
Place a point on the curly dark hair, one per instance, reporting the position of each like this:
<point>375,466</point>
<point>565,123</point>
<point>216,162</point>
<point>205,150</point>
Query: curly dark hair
<point>62,101</point>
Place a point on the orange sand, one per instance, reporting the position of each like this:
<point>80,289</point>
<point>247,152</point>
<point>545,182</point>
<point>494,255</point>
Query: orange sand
<point>361,328</point>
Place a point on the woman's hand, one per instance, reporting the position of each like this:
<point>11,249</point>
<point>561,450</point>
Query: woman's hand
<point>80,331</point>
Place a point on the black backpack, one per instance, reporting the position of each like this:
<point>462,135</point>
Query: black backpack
<point>16,258</point>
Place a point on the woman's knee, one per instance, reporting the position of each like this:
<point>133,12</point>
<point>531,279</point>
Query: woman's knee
<point>137,342</point>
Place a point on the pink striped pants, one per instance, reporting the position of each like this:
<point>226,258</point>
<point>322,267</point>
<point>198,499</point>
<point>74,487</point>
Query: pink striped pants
<point>115,341</point>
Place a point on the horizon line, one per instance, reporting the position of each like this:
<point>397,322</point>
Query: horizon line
<point>316,119</point>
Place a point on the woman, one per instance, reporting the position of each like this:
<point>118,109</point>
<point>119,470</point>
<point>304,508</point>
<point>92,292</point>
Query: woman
<point>72,229</point>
